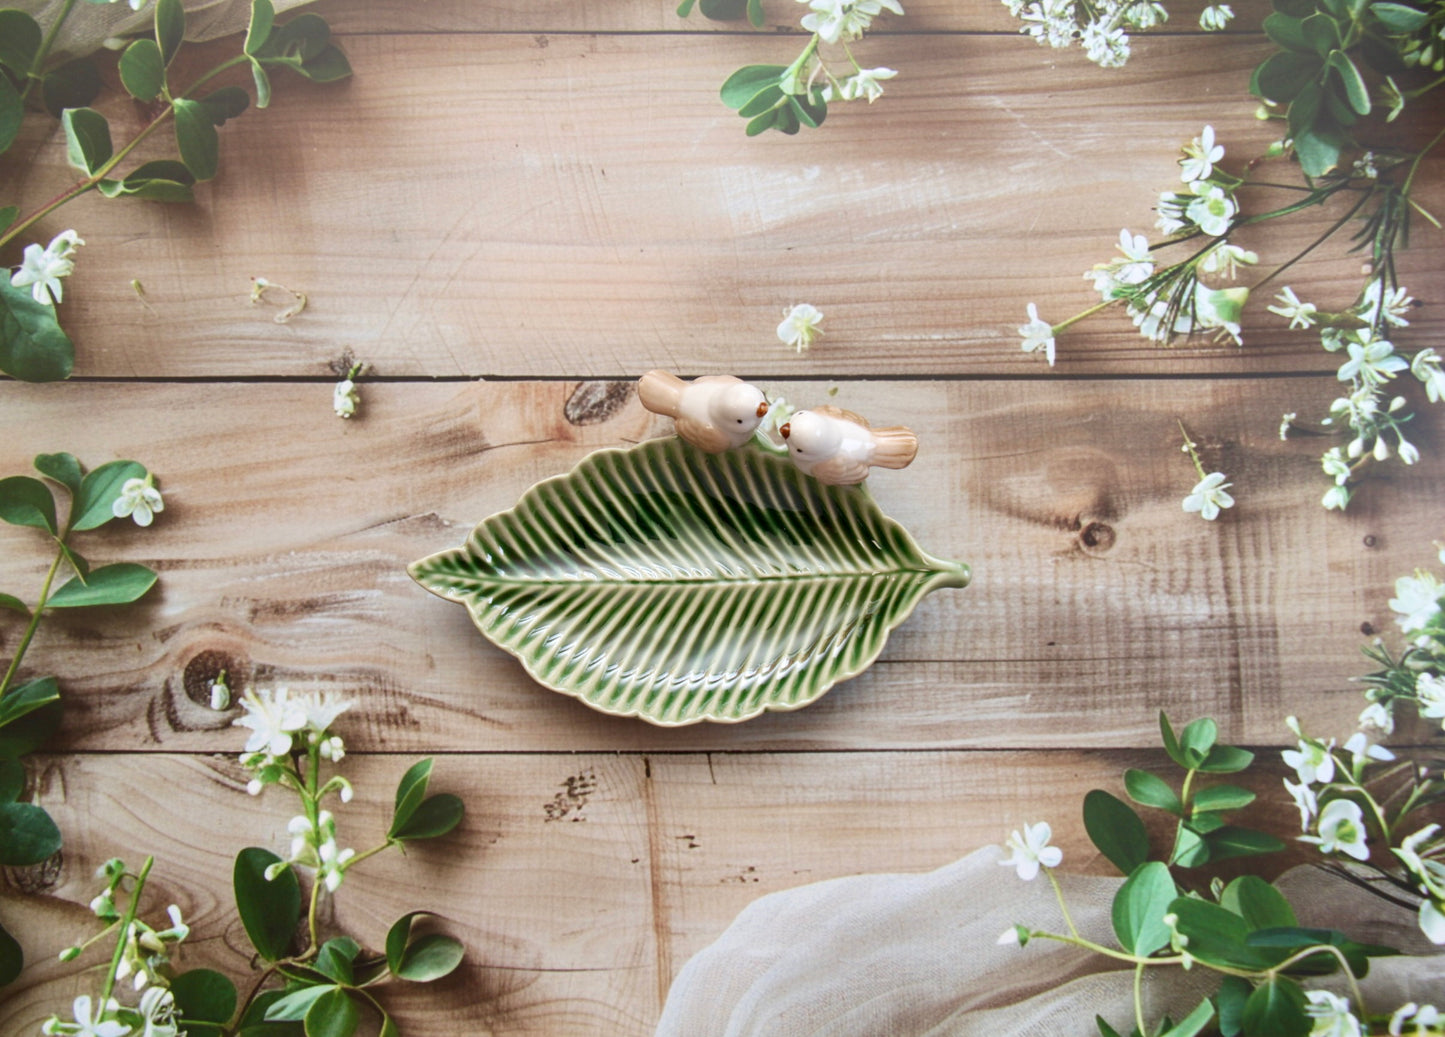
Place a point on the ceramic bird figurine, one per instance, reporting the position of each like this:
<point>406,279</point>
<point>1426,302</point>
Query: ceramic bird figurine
<point>837,447</point>
<point>714,413</point>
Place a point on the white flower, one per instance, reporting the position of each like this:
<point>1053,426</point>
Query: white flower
<point>1031,849</point>
<point>1010,937</point>
<point>1212,209</point>
<point>1378,717</point>
<point>41,269</point>
<point>1429,874</point>
<point>1430,696</point>
<point>836,20</point>
<point>345,398</point>
<point>1299,314</point>
<point>1342,830</point>
<point>158,1008</point>
<point>1226,259</point>
<point>1134,267</point>
<point>1209,496</point>
<point>1304,798</point>
<point>321,709</point>
<point>1037,335</point>
<point>1374,362</point>
<point>1426,367</point>
<point>273,717</point>
<point>1432,922</point>
<point>1361,750</point>
<point>1376,302</point>
<point>87,1025</point>
<point>1336,498</point>
<point>1424,1017</point>
<point>1417,600</point>
<point>1171,212</point>
<point>1200,154</point>
<point>334,749</point>
<point>1220,308</point>
<point>1215,17</point>
<point>865,84</point>
<point>800,326</point>
<point>1107,47</point>
<point>1312,762</point>
<point>1331,1014</point>
<point>140,500</point>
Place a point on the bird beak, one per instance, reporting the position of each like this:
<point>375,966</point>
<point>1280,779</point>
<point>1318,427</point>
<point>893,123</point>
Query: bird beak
<point>763,409</point>
<point>785,429</point>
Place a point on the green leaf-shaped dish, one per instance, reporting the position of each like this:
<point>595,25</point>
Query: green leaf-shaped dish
<point>678,586</point>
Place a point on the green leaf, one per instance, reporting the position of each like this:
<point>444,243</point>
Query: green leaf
<point>809,113</point>
<point>1226,759</point>
<point>327,66</point>
<point>388,1028</point>
<point>1105,1030</point>
<point>335,959</point>
<point>1276,1009</point>
<point>436,816</point>
<point>19,41</point>
<point>763,101</point>
<point>1151,791</point>
<point>430,957</point>
<point>1233,992</point>
<point>1205,821</point>
<point>763,122</point>
<point>1356,92</point>
<point>1286,941</point>
<point>1221,797</point>
<point>63,468</point>
<point>253,1020</point>
<point>1234,841</point>
<point>12,778</point>
<point>685,8</point>
<point>1171,743</point>
<point>14,604</point>
<point>298,41</point>
<point>1192,1023</point>
<point>99,491</point>
<point>1322,33</point>
<point>397,938</point>
<point>72,85</point>
<point>723,10</point>
<point>755,13</point>
<point>1395,18</point>
<point>226,103</point>
<point>1196,741</point>
<point>334,1014</point>
<point>196,138</point>
<point>1258,903</point>
<point>1140,906</point>
<point>87,138</point>
<point>294,1004</point>
<point>12,958</point>
<point>12,115</point>
<point>594,580</point>
<point>263,83</point>
<point>1116,830</point>
<point>27,502</point>
<point>1286,31</point>
<point>1190,849</point>
<point>170,27</point>
<point>27,698</point>
<point>1217,936</point>
<point>117,584</point>
<point>27,835</point>
<point>271,910</point>
<point>30,731</point>
<point>204,996</point>
<point>410,791</point>
<point>7,215</point>
<point>143,70</point>
<point>33,348</point>
<point>747,82</point>
<point>263,16</point>
<point>1284,75</point>
<point>164,180</point>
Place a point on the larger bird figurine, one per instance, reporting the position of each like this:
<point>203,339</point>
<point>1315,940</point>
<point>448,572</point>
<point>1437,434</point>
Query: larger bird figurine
<point>837,447</point>
<point>714,413</point>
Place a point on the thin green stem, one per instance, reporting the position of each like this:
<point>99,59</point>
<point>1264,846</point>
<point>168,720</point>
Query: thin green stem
<point>354,861</point>
<point>1063,907</point>
<point>33,75</point>
<point>1139,998</point>
<point>1338,955</point>
<point>1415,165</point>
<point>1087,313</point>
<point>1189,445</point>
<point>32,625</point>
<point>311,799</point>
<point>125,923</point>
<point>1329,231</point>
<point>1109,952</point>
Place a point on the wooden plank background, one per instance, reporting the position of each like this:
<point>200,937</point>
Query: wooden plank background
<point>514,202</point>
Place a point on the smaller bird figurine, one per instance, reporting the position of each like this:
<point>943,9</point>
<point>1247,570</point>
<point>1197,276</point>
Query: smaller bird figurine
<point>837,447</point>
<point>714,413</point>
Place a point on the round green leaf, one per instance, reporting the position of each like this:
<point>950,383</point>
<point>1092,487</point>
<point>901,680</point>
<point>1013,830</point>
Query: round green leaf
<point>1226,759</point>
<point>263,16</point>
<point>143,70</point>
<point>679,586</point>
<point>27,502</point>
<point>28,835</point>
<point>270,911</point>
<point>87,138</point>
<point>1234,841</point>
<point>117,584</point>
<point>1322,33</point>
<point>12,112</point>
<point>1217,936</point>
<point>333,1014</point>
<point>12,778</point>
<point>327,66</point>
<point>12,958</point>
<point>1151,791</point>
<point>27,698</point>
<point>1285,74</point>
<point>745,84</point>
<point>14,604</point>
<point>170,27</point>
<point>430,957</point>
<point>1116,830</point>
<point>196,138</point>
<point>724,10</point>
<point>1197,739</point>
<point>1276,1009</point>
<point>1398,18</point>
<point>1286,30</point>
<point>19,40</point>
<point>1140,906</point>
<point>204,996</point>
<point>335,959</point>
<point>436,816</point>
<point>33,348</point>
<point>1356,92</point>
<point>72,85</point>
<point>225,103</point>
<point>1258,903</point>
<point>1221,797</point>
<point>63,468</point>
<point>263,84</point>
<point>99,491</point>
<point>410,791</point>
<point>398,936</point>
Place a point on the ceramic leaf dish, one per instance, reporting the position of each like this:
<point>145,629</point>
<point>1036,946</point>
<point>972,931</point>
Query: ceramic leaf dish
<point>677,586</point>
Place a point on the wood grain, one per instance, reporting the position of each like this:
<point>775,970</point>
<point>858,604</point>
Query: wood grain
<point>283,548</point>
<point>579,883</point>
<point>556,212</point>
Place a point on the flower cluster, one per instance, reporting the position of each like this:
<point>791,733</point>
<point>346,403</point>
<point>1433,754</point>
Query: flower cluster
<point>345,397</point>
<point>1101,27</point>
<point>1371,413</point>
<point>839,21</point>
<point>42,269</point>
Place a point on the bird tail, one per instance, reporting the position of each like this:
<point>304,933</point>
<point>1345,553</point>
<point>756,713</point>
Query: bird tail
<point>660,391</point>
<point>894,447</point>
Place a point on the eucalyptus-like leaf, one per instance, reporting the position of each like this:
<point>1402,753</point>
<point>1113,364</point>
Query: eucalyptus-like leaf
<point>435,816</point>
<point>170,22</point>
<point>747,82</point>
<point>1287,31</point>
<point>1190,849</point>
<point>8,213</point>
<point>17,702</point>
<point>27,835</point>
<point>685,8</point>
<point>270,910</point>
<point>87,138</point>
<point>14,604</point>
<point>1283,75</point>
<point>19,41</point>
<point>1216,935</point>
<point>263,84</point>
<point>410,791</point>
<point>1234,841</point>
<point>253,1019</point>
<point>12,778</point>
<point>117,584</point>
<point>196,138</point>
<point>294,1004</point>
<point>71,85</point>
<point>328,66</point>
<point>679,586</point>
<point>1151,791</point>
<point>1258,903</point>
<point>1192,1023</point>
<point>64,468</point>
<point>31,730</point>
<point>33,348</point>
<point>301,39</point>
<point>1105,1030</point>
<point>1398,18</point>
<point>1140,906</point>
<point>12,113</point>
<point>204,996</point>
<point>164,180</point>
<point>1226,759</point>
<point>1229,1001</point>
<point>1116,830</point>
<point>1197,739</point>
<point>398,936</point>
<point>429,958</point>
<point>333,1014</point>
<point>143,70</point>
<point>1170,741</point>
<point>226,103</point>
<point>27,502</point>
<point>99,490</point>
<point>335,959</point>
<point>1318,149</point>
<point>1287,941</point>
<point>263,16</point>
<point>1221,797</point>
<point>1276,1009</point>
<point>1322,33</point>
<point>1356,92</point>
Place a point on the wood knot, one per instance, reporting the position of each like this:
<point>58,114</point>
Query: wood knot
<point>205,666</point>
<point>592,403</point>
<point>1097,536</point>
<point>37,878</point>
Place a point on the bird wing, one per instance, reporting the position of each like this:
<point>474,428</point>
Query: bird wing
<point>707,438</point>
<point>660,392</point>
<point>840,471</point>
<point>838,412</point>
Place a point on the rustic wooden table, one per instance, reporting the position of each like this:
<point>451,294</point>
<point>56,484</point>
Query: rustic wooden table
<point>514,208</point>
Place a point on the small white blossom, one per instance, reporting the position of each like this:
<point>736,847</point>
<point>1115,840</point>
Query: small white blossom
<point>1209,496</point>
<point>1200,154</point>
<point>1425,1019</point>
<point>321,709</point>
<point>140,500</point>
<point>345,398</point>
<point>1030,849</point>
<point>1426,367</point>
<point>1391,305</point>
<point>1428,873</point>
<point>1342,830</point>
<point>1105,46</point>
<point>1304,798</point>
<point>1226,259</point>
<point>1432,922</point>
<point>1417,600</point>
<point>1220,308</point>
<point>1312,761</point>
<point>801,326</point>
<point>838,20</point>
<point>273,717</point>
<point>41,269</point>
<point>1212,209</point>
<point>1361,750</point>
<point>1171,212</point>
<point>1336,498</point>
<point>97,1024</point>
<point>1331,1014</point>
<point>1430,696</point>
<point>158,1009</point>
<point>1133,267</point>
<point>1299,314</point>
<point>1373,363</point>
<point>1038,335</point>
<point>865,83</point>
<point>1215,17</point>
<point>1377,717</point>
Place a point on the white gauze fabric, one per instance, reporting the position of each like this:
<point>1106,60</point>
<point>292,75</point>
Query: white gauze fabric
<point>89,25</point>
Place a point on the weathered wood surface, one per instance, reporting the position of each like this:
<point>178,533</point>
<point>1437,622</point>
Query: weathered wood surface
<point>537,192</point>
<point>580,883</point>
<point>503,205</point>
